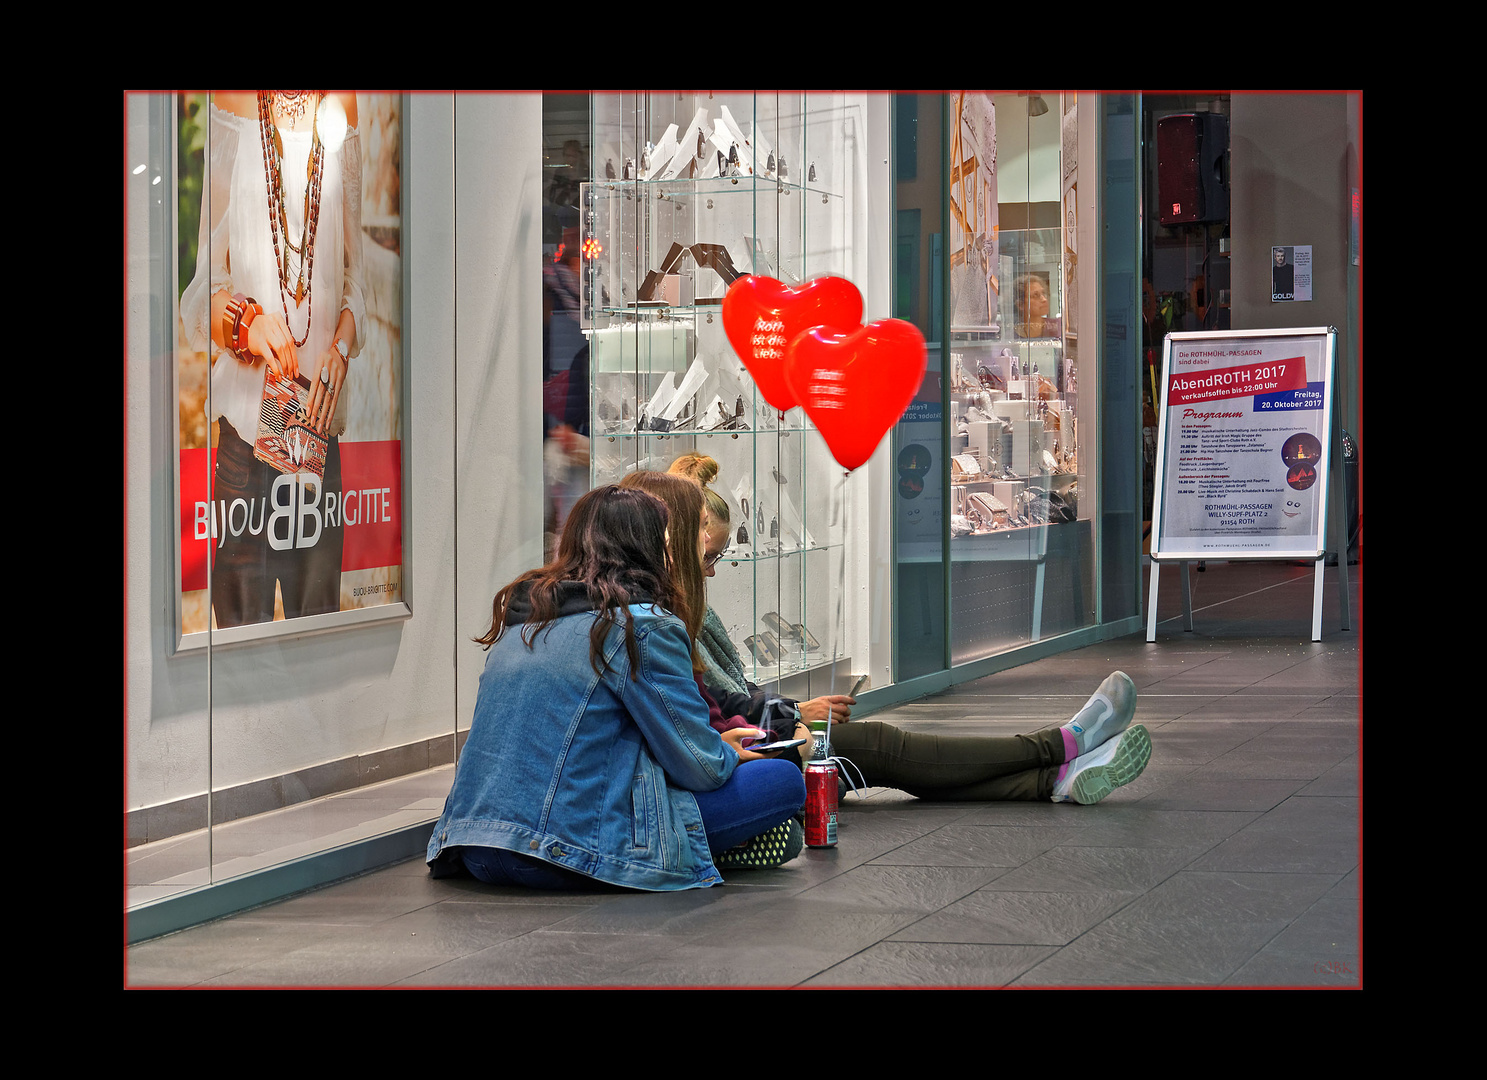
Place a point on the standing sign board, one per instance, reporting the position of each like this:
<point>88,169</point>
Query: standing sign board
<point>1243,449</point>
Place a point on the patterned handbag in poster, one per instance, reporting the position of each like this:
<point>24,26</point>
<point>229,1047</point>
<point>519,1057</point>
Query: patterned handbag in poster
<point>285,438</point>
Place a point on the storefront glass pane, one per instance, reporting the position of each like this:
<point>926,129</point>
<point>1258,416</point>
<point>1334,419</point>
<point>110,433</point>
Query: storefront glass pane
<point>919,466</point>
<point>168,766</point>
<point>266,710</point>
<point>691,191</point>
<point>1022,558</point>
<point>566,166</point>
<point>1120,318</point>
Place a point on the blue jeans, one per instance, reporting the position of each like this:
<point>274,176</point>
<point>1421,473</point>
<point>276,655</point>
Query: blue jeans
<point>757,797</point>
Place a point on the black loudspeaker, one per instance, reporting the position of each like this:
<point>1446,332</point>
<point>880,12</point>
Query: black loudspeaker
<point>1192,168</point>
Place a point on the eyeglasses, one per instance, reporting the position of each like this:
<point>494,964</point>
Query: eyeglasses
<point>709,561</point>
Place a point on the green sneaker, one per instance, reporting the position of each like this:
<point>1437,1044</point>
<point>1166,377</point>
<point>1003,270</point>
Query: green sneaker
<point>1090,777</point>
<point>765,851</point>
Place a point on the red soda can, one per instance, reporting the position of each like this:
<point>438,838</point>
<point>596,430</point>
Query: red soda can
<point>820,804</point>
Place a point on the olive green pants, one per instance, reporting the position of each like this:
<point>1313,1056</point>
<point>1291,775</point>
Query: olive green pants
<point>952,768</point>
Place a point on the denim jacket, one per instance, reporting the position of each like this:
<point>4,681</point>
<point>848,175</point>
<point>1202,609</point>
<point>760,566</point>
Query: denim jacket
<point>593,773</point>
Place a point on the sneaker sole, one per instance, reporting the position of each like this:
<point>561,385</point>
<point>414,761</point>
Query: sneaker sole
<point>1130,759</point>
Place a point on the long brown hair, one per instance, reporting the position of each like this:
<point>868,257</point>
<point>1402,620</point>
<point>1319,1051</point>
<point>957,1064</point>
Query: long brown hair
<point>683,499</point>
<point>614,542</point>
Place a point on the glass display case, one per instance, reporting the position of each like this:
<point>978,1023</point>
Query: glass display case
<point>1014,394</point>
<point>1019,537</point>
<point>698,189</point>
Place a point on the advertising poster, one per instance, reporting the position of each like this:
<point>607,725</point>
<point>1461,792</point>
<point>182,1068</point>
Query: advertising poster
<point>1243,444</point>
<point>1290,274</point>
<point>289,370</point>
<point>917,501</point>
<point>975,252</point>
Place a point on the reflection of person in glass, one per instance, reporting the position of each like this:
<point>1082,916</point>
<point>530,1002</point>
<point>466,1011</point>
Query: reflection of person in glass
<point>1030,299</point>
<point>278,288</point>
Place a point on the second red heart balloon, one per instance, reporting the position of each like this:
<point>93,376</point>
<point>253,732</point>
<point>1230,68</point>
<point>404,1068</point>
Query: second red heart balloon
<point>855,385</point>
<point>761,316</point>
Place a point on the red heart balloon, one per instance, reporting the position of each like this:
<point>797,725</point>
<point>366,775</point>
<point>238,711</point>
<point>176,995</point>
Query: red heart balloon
<point>854,385</point>
<point>761,316</point>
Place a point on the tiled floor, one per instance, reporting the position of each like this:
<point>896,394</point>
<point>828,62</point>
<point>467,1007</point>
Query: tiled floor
<point>1233,860</point>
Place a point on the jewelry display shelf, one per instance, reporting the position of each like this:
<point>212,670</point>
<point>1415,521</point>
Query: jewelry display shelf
<point>659,256</point>
<point>714,185</point>
<point>1014,403</point>
<point>705,433</point>
<point>784,553</point>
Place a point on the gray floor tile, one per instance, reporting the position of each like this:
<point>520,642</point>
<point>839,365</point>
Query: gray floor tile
<point>1347,889</point>
<point>397,948</point>
<point>874,831</point>
<point>1302,835</point>
<point>1320,947</point>
<point>692,911</point>
<point>1254,706</point>
<point>1030,815</point>
<point>772,947</point>
<point>548,958</point>
<point>1193,792</point>
<point>1143,826</point>
<point>220,948</point>
<point>898,888</point>
<point>469,891</point>
<point>1337,673</point>
<point>1194,928</point>
<point>455,928</point>
<point>1327,928</point>
<point>1185,741</point>
<point>992,916</point>
<point>1261,764</point>
<point>359,902</point>
<point>1272,969</point>
<point>1338,708</point>
<point>1108,869</point>
<point>976,845</point>
<point>1310,738</point>
<point>913,963</point>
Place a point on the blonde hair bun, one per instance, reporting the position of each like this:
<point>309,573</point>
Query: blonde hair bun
<point>699,468</point>
<point>695,466</point>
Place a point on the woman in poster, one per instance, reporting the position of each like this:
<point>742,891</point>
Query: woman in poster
<point>278,290</point>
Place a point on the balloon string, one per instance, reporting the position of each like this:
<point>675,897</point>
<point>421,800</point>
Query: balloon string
<point>839,625</point>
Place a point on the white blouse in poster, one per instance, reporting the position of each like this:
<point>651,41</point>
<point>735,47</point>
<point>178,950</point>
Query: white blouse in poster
<point>1243,444</point>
